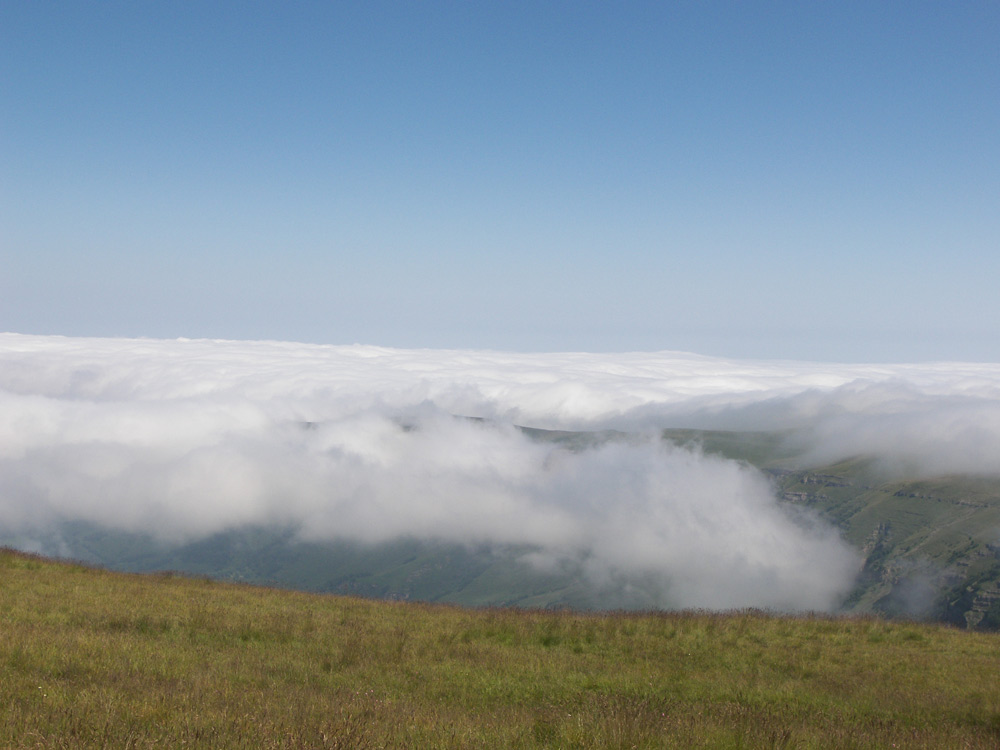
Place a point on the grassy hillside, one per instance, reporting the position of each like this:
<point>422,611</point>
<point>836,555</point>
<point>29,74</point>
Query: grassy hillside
<point>90,658</point>
<point>931,546</point>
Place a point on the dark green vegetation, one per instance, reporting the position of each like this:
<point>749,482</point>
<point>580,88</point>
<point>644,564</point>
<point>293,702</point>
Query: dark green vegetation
<point>90,658</point>
<point>931,547</point>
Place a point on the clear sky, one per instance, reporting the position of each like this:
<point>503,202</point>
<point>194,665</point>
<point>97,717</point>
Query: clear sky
<point>797,180</point>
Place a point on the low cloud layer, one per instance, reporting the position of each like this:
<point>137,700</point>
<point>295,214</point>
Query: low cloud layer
<point>182,439</point>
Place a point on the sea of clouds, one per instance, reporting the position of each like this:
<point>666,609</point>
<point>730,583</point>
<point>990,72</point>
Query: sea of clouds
<point>185,438</point>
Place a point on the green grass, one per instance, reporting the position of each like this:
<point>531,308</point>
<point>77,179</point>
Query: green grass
<point>90,658</point>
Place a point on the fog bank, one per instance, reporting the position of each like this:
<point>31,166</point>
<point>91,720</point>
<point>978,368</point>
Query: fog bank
<point>182,439</point>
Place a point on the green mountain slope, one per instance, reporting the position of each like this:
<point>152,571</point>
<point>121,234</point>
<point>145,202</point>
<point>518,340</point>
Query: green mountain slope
<point>90,658</point>
<point>403,569</point>
<point>931,546</point>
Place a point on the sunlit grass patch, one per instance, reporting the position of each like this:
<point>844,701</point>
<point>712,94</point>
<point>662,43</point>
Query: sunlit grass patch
<point>94,659</point>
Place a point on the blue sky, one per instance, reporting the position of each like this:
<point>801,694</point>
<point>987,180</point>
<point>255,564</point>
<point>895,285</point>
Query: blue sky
<point>777,180</point>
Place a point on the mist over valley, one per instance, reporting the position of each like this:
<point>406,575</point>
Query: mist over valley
<point>640,480</point>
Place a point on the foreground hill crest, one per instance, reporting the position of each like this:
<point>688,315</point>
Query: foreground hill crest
<point>91,658</point>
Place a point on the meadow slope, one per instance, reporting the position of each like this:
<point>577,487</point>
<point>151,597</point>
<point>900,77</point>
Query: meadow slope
<point>91,658</point>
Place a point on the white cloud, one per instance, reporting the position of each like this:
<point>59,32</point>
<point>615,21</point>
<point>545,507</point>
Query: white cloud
<point>185,438</point>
